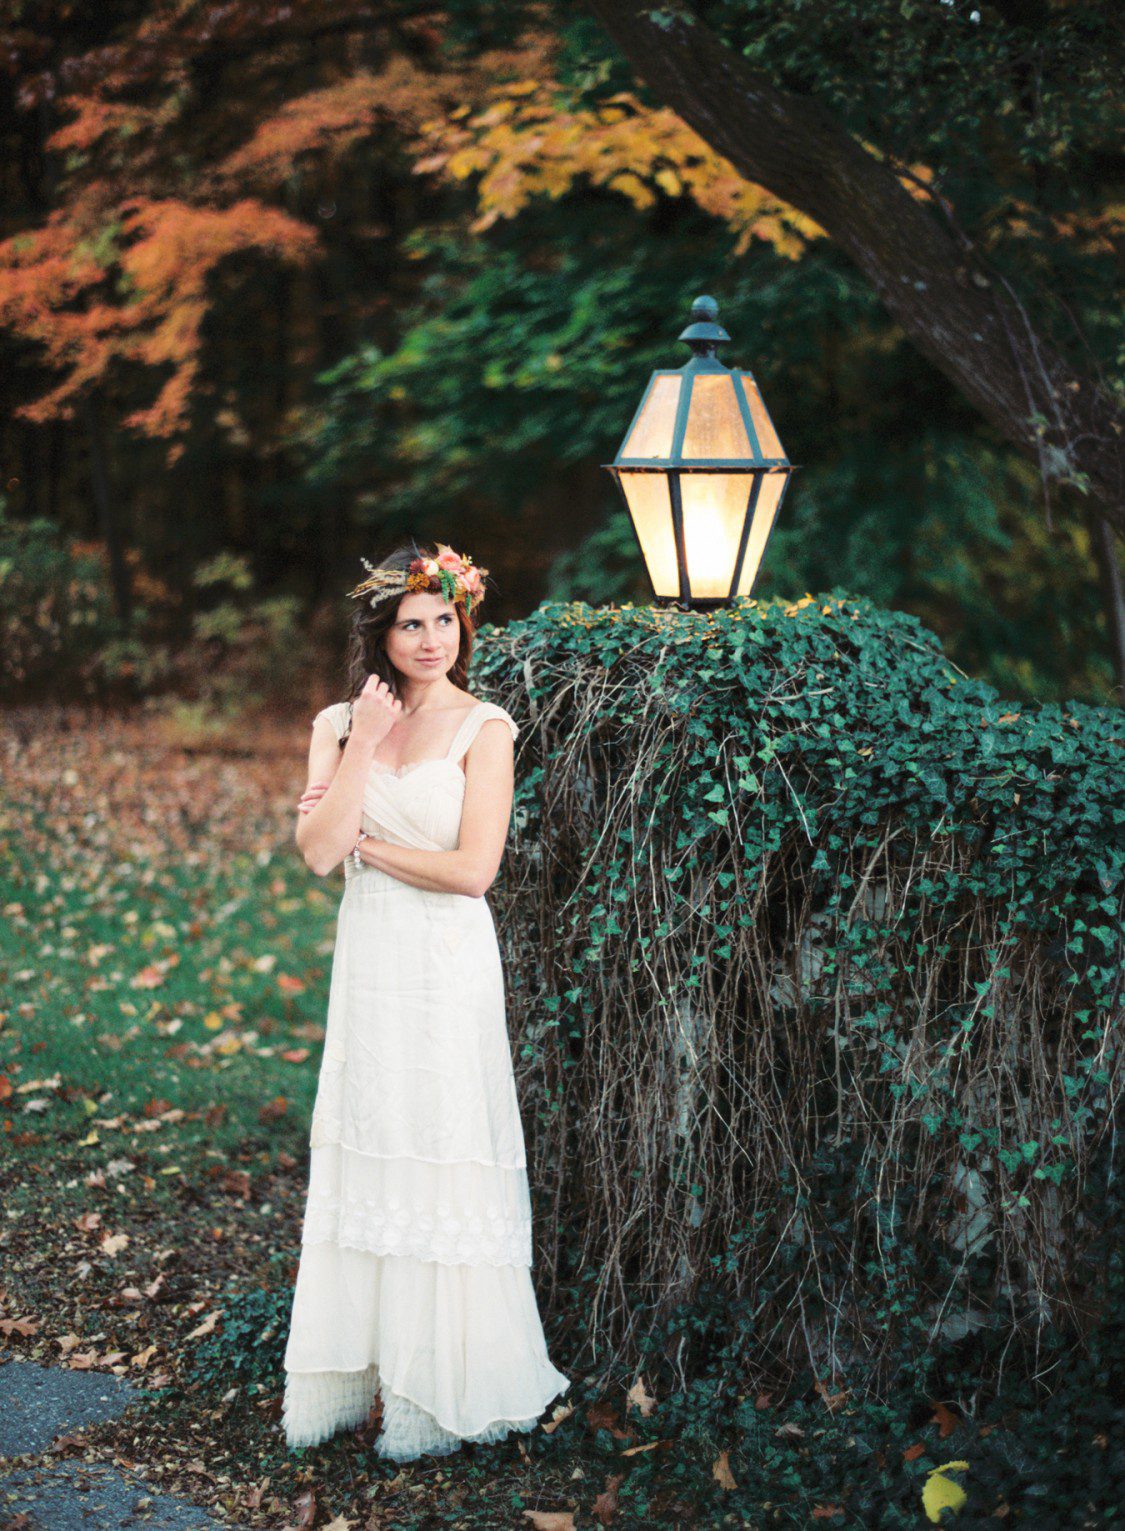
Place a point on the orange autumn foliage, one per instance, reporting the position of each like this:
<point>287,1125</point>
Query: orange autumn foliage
<point>101,283</point>
<point>329,121</point>
<point>119,273</point>
<point>94,119</point>
<point>403,92</point>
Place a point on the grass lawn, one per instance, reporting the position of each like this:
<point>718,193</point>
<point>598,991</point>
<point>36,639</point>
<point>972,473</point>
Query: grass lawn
<point>164,960</point>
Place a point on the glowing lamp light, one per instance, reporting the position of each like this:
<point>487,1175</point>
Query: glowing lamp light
<point>702,473</point>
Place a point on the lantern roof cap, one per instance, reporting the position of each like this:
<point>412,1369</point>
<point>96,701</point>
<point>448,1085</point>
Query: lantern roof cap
<point>704,333</point>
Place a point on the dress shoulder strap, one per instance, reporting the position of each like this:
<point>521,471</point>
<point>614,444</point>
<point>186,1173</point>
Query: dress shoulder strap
<point>338,715</point>
<point>471,726</point>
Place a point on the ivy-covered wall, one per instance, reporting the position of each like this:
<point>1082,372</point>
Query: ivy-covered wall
<point>814,951</point>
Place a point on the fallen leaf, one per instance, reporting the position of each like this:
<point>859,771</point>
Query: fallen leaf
<point>560,1412</point>
<point>604,1507</point>
<point>82,1361</point>
<point>721,1472</point>
<point>306,1510</point>
<point>632,1451</point>
<point>150,977</point>
<point>237,1182</point>
<point>637,1394</point>
<point>22,1326</point>
<point>831,1400</point>
<point>945,1420</point>
<point>207,1326</point>
<point>941,1493</point>
<point>601,1416</point>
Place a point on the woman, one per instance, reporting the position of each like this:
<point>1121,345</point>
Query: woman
<point>415,1272</point>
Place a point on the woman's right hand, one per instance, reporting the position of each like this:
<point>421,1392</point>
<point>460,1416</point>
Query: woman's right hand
<point>311,796</point>
<point>375,712</point>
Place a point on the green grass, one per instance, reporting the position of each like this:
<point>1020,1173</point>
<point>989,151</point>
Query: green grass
<point>164,999</point>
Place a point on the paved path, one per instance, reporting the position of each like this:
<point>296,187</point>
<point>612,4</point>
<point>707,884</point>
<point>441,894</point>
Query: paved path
<point>37,1405</point>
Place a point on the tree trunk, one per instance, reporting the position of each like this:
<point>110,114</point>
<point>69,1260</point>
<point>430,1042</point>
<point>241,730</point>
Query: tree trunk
<point>925,273</point>
<point>687,1068</point>
<point>107,514</point>
<point>1113,598</point>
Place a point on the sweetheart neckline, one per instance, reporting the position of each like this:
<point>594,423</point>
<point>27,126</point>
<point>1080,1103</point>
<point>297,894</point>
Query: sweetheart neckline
<point>378,769</point>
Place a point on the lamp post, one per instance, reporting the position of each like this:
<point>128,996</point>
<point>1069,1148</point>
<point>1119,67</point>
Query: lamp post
<point>702,473</point>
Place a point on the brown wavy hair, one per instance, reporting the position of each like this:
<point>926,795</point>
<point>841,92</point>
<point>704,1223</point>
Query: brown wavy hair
<point>366,652</point>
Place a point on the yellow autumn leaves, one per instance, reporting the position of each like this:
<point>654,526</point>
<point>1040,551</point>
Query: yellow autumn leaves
<point>527,143</point>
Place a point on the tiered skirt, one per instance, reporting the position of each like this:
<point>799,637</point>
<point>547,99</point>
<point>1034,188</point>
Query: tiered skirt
<point>414,1282</point>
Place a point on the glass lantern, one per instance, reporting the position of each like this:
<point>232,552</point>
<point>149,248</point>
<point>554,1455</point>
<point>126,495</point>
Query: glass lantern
<point>702,472</point>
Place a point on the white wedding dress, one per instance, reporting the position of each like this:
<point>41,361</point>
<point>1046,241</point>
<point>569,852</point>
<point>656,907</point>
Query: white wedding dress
<point>414,1279</point>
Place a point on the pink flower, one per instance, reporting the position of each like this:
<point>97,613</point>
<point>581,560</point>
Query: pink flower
<point>448,559</point>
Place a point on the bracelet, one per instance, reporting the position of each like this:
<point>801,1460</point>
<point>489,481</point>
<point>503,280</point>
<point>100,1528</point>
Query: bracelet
<point>357,860</point>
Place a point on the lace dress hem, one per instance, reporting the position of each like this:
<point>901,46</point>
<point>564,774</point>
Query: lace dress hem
<point>318,1404</point>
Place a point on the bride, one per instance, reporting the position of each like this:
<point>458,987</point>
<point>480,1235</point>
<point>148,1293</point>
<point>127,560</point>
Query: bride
<point>414,1285</point>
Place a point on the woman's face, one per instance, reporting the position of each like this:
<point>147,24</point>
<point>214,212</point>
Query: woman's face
<point>423,642</point>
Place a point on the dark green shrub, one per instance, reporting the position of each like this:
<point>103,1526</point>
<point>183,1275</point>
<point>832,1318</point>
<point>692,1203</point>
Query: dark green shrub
<point>815,961</point>
<point>250,1344</point>
<point>55,610</point>
<point>244,650</point>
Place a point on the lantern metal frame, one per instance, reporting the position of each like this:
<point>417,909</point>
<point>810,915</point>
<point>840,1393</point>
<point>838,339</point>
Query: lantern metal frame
<point>703,335</point>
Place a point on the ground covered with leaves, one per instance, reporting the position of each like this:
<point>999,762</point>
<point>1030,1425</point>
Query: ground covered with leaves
<point>164,961</point>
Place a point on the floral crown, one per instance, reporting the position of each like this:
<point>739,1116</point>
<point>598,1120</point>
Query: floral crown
<point>448,574</point>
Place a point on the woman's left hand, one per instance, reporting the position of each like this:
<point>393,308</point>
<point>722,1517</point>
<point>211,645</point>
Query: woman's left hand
<point>368,848</point>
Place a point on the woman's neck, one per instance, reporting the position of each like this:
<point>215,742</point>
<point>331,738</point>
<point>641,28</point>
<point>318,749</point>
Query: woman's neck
<point>427,698</point>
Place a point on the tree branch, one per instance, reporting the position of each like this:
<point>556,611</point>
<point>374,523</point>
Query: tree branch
<point>952,309</point>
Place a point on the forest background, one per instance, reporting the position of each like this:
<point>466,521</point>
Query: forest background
<point>280,283</point>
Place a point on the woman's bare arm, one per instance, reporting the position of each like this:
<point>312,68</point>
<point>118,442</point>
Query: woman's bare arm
<point>327,832</point>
